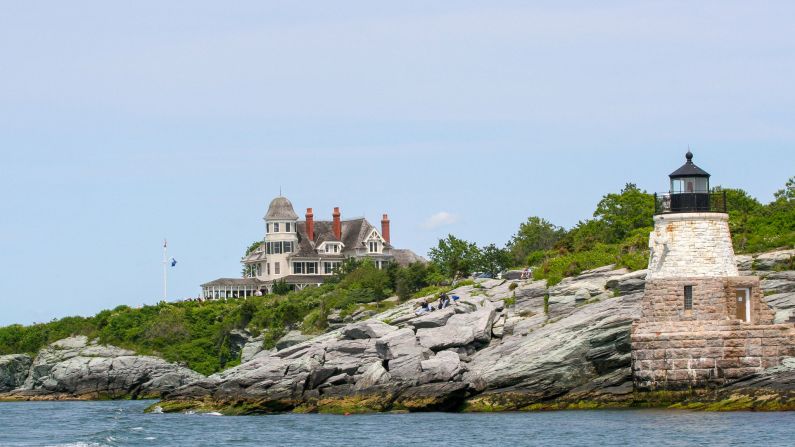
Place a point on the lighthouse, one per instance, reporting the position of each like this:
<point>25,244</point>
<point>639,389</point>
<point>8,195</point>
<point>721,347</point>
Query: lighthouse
<point>702,324</point>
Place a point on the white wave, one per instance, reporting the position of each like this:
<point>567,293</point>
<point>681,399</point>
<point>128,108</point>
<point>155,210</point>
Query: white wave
<point>157,410</point>
<point>214,413</point>
<point>149,438</point>
<point>137,428</point>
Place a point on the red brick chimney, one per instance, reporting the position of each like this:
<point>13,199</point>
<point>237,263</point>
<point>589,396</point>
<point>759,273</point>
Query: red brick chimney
<point>310,224</point>
<point>337,226</point>
<point>385,228</point>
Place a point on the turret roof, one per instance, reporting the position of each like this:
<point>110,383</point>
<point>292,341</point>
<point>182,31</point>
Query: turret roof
<point>281,209</point>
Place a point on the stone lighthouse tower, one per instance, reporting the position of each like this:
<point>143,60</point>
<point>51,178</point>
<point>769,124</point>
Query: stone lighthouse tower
<point>701,324</point>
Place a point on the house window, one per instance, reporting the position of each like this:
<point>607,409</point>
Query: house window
<point>330,267</point>
<point>688,297</point>
<point>267,228</point>
<point>287,227</point>
<point>298,268</point>
<point>288,247</point>
<point>259,269</point>
<point>373,247</point>
<point>276,227</point>
<point>311,268</point>
<point>277,268</point>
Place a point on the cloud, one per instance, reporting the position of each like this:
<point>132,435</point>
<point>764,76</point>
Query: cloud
<point>440,219</point>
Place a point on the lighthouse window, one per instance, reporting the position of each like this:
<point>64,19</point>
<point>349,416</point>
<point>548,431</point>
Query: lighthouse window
<point>688,297</point>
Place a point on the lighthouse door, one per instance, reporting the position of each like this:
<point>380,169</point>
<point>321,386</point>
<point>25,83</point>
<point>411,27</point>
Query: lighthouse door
<point>743,305</point>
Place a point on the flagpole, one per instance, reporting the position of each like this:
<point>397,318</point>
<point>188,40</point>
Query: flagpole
<point>165,270</point>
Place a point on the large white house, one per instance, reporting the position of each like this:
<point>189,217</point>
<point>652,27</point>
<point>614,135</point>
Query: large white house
<point>306,252</point>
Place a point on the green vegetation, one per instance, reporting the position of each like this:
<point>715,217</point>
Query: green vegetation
<point>616,234</point>
<point>198,333</point>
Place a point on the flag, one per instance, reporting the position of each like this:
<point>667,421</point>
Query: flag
<point>173,262</point>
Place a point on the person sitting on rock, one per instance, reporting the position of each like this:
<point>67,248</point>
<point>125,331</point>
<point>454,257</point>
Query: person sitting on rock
<point>444,301</point>
<point>423,309</point>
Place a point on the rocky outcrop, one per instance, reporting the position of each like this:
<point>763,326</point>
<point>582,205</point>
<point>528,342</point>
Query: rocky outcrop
<point>13,371</point>
<point>76,368</point>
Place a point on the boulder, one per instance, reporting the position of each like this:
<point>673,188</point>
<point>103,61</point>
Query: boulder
<point>374,374</point>
<point>626,284</point>
<point>14,369</point>
<point>251,349</point>
<point>744,262</point>
<point>366,329</point>
<point>402,354</point>
<point>442,367</point>
<point>434,319</point>
<point>290,339</point>
<point>238,339</point>
<point>449,336</point>
<point>775,260</point>
<point>779,282</point>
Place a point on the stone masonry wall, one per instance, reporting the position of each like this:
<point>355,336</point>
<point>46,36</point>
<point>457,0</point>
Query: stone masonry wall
<point>687,354</point>
<point>691,245</point>
<point>713,299</point>
<point>673,348</point>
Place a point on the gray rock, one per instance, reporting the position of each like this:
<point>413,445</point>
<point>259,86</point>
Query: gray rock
<point>449,336</point>
<point>779,282</point>
<point>744,262</point>
<point>367,329</point>
<point>14,369</point>
<point>561,356</point>
<point>251,349</point>
<point>434,319</point>
<point>292,338</point>
<point>238,339</point>
<point>442,367</point>
<point>774,260</point>
<point>76,367</point>
<point>374,374</point>
<point>629,283</point>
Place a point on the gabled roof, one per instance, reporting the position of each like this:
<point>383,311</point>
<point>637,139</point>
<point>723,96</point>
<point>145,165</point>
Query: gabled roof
<point>354,231</point>
<point>281,209</point>
<point>689,169</point>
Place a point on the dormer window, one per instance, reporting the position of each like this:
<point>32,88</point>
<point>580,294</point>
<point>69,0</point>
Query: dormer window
<point>332,248</point>
<point>373,246</point>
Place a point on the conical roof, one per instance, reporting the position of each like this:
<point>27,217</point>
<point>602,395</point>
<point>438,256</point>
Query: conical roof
<point>281,209</point>
<point>689,169</point>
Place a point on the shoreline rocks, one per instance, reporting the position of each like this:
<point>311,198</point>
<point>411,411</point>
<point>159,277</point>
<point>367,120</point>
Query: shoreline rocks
<point>504,345</point>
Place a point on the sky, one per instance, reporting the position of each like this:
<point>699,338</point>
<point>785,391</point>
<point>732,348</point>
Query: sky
<point>123,123</point>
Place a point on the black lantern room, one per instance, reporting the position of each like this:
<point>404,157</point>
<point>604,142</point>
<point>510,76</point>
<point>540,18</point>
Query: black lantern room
<point>689,188</point>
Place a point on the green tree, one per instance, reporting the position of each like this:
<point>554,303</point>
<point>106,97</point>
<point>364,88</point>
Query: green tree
<point>742,207</point>
<point>536,234</point>
<point>410,279</point>
<point>280,287</point>
<point>788,193</point>
<point>454,257</point>
<point>624,212</point>
<point>493,260</point>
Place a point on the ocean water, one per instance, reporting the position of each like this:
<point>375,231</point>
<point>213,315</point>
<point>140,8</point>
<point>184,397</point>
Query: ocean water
<point>124,424</point>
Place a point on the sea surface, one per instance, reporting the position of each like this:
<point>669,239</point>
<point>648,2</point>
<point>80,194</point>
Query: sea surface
<point>125,424</point>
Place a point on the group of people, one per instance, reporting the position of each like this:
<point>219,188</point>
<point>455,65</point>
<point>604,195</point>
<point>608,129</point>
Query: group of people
<point>425,307</point>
